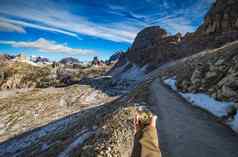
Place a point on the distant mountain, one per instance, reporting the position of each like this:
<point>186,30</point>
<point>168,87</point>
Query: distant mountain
<point>39,59</point>
<point>69,60</point>
<point>5,57</point>
<point>115,57</point>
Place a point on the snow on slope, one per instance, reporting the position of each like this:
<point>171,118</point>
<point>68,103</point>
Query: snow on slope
<point>134,73</point>
<point>129,71</point>
<point>82,137</point>
<point>206,102</point>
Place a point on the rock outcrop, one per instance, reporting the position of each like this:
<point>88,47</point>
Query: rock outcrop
<point>153,45</point>
<point>223,17</point>
<point>148,37</point>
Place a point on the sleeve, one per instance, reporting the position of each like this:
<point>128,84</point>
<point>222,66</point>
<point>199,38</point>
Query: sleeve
<point>149,143</point>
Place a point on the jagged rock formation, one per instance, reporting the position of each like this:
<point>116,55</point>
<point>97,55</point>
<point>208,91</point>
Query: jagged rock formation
<point>115,57</point>
<point>223,17</point>
<point>148,37</point>
<point>153,46</point>
<point>96,61</point>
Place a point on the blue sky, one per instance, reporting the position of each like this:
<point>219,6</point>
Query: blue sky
<point>87,28</point>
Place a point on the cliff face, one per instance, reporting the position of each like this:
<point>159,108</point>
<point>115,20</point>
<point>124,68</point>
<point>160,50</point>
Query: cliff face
<point>222,17</point>
<point>153,46</point>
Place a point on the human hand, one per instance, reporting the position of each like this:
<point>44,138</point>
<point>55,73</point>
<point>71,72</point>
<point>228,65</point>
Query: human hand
<point>138,125</point>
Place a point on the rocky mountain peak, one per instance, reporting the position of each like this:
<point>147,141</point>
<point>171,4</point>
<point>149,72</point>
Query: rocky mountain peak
<point>222,17</point>
<point>149,37</point>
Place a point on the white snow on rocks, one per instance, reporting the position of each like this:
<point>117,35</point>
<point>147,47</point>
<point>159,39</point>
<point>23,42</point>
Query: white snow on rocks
<point>206,102</point>
<point>171,82</point>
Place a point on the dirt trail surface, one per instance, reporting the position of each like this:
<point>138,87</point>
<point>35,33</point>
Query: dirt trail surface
<point>188,131</point>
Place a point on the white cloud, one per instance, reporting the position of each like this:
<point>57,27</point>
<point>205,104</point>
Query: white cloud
<point>27,24</point>
<point>52,17</point>
<point>9,27</point>
<point>49,46</point>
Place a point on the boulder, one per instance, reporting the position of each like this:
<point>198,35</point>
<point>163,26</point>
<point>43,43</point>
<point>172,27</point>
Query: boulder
<point>228,92</point>
<point>211,74</point>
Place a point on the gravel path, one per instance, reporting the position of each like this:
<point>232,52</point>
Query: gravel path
<point>186,131</point>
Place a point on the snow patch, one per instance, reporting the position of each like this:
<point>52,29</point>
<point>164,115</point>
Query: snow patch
<point>134,73</point>
<point>92,97</point>
<point>202,100</point>
<point>171,82</point>
<point>82,137</point>
<point>119,70</point>
<point>208,103</point>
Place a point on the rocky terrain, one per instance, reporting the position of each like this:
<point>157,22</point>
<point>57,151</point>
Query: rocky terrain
<point>17,75</point>
<point>69,121</point>
<point>50,110</point>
